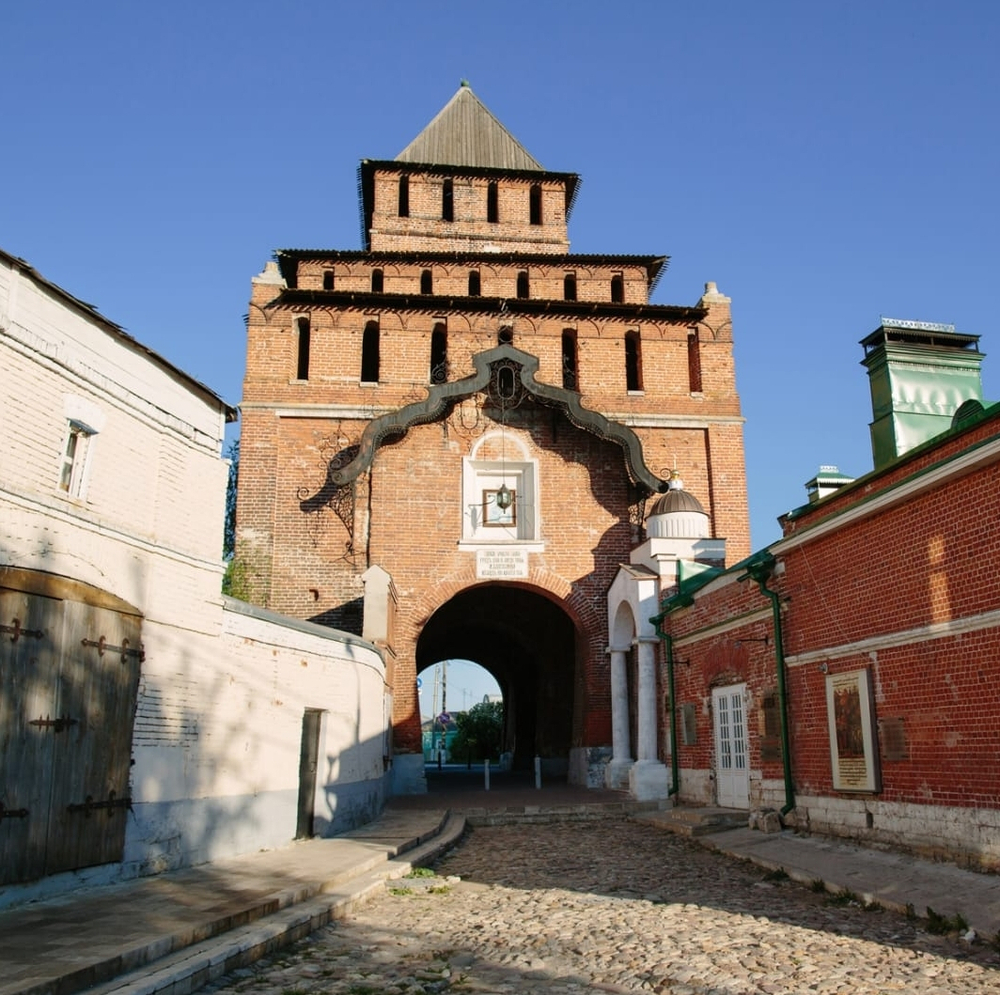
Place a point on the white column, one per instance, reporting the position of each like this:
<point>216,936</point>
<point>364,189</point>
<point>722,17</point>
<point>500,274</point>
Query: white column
<point>619,707</point>
<point>647,700</point>
<point>648,779</point>
<point>616,773</point>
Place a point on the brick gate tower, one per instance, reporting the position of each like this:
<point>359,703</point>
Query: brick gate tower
<point>453,437</point>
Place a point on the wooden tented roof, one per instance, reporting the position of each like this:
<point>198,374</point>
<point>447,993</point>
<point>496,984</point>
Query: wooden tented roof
<point>465,133</point>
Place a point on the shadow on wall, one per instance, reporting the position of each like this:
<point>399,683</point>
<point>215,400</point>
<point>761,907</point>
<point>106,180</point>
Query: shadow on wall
<point>219,743</point>
<point>348,617</point>
<point>212,726</point>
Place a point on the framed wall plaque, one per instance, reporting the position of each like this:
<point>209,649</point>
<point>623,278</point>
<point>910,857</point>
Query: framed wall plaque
<point>853,740</point>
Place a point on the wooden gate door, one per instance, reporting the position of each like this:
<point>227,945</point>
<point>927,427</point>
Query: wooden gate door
<point>732,774</point>
<point>29,671</point>
<point>96,697</point>
<point>67,706</point>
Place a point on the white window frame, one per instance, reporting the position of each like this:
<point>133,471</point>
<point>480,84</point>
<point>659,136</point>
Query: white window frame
<point>84,420</point>
<point>74,465</point>
<point>480,478</point>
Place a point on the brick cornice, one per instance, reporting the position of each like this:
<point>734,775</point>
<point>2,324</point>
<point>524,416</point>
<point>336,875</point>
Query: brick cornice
<point>431,304</point>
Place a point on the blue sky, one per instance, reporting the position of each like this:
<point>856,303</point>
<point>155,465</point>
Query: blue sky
<point>824,162</point>
<point>465,684</point>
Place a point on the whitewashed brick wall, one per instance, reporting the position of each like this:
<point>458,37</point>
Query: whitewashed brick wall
<point>218,732</point>
<point>223,687</point>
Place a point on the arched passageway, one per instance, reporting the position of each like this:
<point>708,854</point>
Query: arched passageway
<point>528,643</point>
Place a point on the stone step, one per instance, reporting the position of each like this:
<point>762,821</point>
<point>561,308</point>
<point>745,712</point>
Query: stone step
<point>170,934</point>
<point>694,820</point>
<point>548,813</point>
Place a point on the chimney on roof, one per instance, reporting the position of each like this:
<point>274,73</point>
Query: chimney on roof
<point>920,373</point>
<point>826,482</point>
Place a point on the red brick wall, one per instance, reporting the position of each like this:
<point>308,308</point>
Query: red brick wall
<point>911,565</point>
<point>929,561</point>
<point>406,511</point>
<point>408,519</point>
<point>469,231</point>
<point>868,595</point>
<point>497,278</point>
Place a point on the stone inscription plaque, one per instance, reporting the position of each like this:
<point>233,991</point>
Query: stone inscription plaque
<point>501,564</point>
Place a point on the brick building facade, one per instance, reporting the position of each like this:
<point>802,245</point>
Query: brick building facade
<point>484,416</point>
<point>846,675</point>
<point>146,721</point>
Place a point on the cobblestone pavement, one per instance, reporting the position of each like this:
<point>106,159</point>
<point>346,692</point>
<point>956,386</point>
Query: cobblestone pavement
<point>613,907</point>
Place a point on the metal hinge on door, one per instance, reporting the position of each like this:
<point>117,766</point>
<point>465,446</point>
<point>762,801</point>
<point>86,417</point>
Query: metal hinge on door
<point>110,804</point>
<point>104,647</point>
<point>12,813</point>
<point>56,725</point>
<point>16,631</point>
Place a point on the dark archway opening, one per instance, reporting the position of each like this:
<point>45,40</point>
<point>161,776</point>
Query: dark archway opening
<point>528,643</point>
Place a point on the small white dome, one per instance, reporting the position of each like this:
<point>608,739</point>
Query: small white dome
<point>677,514</point>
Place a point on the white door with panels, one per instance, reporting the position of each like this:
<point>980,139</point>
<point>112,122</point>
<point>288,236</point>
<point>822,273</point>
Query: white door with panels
<point>732,774</point>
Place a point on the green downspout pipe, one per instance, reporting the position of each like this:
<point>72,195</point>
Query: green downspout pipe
<point>674,763</point>
<point>760,571</point>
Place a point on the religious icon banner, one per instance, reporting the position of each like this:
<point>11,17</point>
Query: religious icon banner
<point>853,742</point>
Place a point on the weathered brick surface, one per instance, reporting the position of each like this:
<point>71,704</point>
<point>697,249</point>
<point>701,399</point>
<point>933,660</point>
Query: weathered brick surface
<point>212,762</point>
<point>450,277</point>
<point>469,231</point>
<point>894,575</point>
<point>405,513</point>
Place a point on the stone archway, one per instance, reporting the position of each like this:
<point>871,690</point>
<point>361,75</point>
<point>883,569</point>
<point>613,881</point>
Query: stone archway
<point>635,693</point>
<point>529,644</point>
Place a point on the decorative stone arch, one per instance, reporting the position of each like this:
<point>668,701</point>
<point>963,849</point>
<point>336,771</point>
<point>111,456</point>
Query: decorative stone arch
<point>633,599</point>
<point>519,444</point>
<point>489,268</point>
<point>441,397</point>
<point>579,615</point>
<point>389,319</point>
<point>550,585</point>
<point>266,312</point>
<point>412,321</point>
<point>634,594</point>
<point>458,322</point>
<point>622,626</point>
<point>527,324</point>
<point>532,639</point>
<point>719,333</point>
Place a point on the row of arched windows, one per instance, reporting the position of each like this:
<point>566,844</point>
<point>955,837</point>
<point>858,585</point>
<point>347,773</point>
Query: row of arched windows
<point>438,360</point>
<point>475,285</point>
<point>492,201</point>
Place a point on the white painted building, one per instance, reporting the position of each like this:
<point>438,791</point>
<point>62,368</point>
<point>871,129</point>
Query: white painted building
<point>147,721</point>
